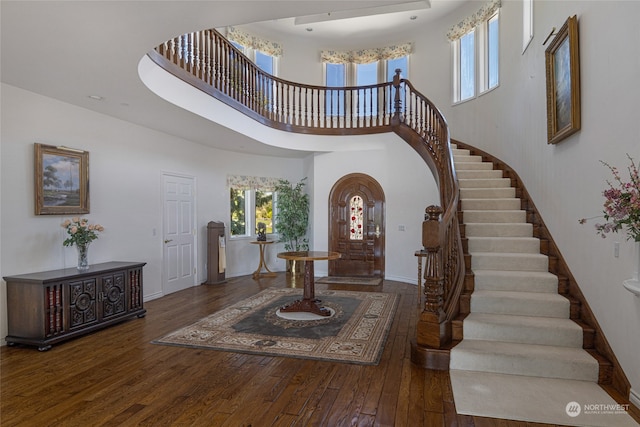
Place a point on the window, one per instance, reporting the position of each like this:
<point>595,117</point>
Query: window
<point>264,209</point>
<point>465,87</point>
<point>248,208</point>
<point>264,62</point>
<point>492,52</point>
<point>367,74</point>
<point>239,209</point>
<point>345,72</point>
<point>527,23</point>
<point>475,46</point>
<point>393,64</point>
<point>335,76</point>
<point>251,201</point>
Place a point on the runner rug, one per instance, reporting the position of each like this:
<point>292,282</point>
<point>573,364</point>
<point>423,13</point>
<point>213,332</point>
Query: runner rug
<point>355,333</point>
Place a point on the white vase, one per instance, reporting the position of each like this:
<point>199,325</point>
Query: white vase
<point>633,284</point>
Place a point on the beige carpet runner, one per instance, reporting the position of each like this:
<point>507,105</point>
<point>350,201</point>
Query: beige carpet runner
<point>521,357</point>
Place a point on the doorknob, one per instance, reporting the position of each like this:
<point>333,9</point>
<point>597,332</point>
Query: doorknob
<point>377,230</point>
<point>168,240</point>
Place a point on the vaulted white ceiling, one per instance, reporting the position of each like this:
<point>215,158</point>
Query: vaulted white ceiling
<point>71,50</point>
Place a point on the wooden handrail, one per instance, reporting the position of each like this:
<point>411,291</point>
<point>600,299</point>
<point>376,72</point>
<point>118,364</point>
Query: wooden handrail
<point>208,61</point>
<point>215,65</point>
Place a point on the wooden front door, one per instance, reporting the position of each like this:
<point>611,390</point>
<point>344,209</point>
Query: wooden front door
<point>356,226</point>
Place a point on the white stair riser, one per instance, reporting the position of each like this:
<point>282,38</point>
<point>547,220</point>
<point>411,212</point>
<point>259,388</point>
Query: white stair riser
<point>569,364</point>
<point>473,166</point>
<point>517,281</point>
<point>478,174</point>
<point>552,305</point>
<point>499,230</point>
<point>467,159</point>
<point>504,244</point>
<point>487,217</point>
<point>508,262</point>
<point>484,183</point>
<point>563,333</point>
<point>488,193</point>
<point>490,204</point>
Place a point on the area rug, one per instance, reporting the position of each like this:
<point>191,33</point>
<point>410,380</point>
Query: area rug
<point>339,280</point>
<point>356,333</point>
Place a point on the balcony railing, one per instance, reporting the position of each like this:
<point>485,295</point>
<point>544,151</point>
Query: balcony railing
<point>208,61</point>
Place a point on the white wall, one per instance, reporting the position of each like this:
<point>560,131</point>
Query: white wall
<point>126,165</point>
<point>566,180</point>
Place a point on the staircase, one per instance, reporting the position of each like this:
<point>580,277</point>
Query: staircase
<point>518,323</point>
<point>516,329</point>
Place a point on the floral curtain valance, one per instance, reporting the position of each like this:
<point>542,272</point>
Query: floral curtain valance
<point>366,56</point>
<point>254,42</point>
<point>474,20</point>
<point>246,182</point>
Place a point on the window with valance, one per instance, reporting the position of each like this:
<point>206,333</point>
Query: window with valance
<point>251,200</point>
<point>475,45</point>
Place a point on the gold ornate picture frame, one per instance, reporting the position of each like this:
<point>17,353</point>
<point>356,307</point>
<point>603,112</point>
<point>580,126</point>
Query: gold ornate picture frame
<point>563,83</point>
<point>61,180</point>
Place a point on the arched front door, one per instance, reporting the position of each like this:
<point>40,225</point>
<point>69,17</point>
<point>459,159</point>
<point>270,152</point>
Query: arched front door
<point>356,226</point>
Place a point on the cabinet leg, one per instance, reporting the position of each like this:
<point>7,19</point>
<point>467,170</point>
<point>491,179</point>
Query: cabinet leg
<point>44,348</point>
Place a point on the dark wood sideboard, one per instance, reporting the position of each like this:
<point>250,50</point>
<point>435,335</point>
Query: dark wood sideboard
<point>53,306</point>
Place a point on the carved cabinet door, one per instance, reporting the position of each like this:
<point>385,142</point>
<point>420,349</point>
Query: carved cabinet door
<point>356,226</point>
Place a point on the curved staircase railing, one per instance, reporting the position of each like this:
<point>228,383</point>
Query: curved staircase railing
<point>208,61</point>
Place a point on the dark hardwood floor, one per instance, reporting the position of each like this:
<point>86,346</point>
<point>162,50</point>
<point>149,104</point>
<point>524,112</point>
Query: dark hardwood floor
<point>116,377</point>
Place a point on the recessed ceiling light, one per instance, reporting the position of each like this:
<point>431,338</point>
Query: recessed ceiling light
<point>96,97</point>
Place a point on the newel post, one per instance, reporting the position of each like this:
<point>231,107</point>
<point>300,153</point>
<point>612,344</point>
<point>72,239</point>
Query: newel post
<point>431,327</point>
<point>397,99</point>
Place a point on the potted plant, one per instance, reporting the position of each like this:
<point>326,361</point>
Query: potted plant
<point>292,217</point>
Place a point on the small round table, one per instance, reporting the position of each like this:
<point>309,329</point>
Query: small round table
<point>263,263</point>
<point>308,303</point>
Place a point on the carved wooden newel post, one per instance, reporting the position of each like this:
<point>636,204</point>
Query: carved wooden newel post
<point>431,328</point>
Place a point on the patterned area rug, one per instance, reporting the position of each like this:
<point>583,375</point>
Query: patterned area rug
<point>356,333</point>
<point>339,280</point>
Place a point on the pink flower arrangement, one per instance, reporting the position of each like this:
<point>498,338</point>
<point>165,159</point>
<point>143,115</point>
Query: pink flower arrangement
<point>80,232</point>
<point>622,204</point>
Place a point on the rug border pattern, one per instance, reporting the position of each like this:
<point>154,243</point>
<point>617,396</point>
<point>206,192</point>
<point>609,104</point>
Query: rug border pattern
<point>360,341</point>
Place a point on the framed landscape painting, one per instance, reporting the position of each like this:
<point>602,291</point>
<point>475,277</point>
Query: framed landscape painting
<point>61,180</point>
<point>563,83</point>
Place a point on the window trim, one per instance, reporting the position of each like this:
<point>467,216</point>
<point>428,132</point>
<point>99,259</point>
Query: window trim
<point>250,216</point>
<point>481,61</point>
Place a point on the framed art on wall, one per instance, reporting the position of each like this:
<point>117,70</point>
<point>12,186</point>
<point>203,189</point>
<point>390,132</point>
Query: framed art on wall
<point>563,83</point>
<point>61,180</point>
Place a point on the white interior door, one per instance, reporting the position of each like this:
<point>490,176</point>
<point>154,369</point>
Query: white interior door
<point>179,233</point>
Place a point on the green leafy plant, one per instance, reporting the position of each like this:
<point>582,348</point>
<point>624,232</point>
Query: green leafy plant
<point>292,216</point>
